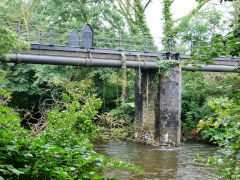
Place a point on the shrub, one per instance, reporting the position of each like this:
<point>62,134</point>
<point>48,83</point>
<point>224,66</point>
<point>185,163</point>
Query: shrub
<point>198,88</point>
<point>226,134</point>
<point>62,151</point>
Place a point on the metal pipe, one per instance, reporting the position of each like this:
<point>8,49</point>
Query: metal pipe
<point>212,68</point>
<point>74,61</point>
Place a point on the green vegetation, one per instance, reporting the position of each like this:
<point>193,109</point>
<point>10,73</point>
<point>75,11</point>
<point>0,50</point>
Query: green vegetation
<point>63,102</point>
<point>224,129</point>
<point>59,146</point>
<point>211,100</point>
<point>223,125</point>
<point>61,151</point>
<point>8,41</point>
<point>134,14</point>
<point>165,65</point>
<point>198,88</point>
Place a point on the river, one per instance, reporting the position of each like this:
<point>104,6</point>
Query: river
<point>159,163</point>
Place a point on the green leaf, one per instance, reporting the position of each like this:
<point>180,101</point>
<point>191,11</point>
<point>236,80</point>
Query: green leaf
<point>15,171</point>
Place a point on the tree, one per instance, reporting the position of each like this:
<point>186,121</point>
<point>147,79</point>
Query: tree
<point>134,13</point>
<point>203,26</point>
<point>170,27</point>
<point>78,13</point>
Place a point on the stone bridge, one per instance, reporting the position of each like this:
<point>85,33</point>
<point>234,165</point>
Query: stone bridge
<point>157,106</point>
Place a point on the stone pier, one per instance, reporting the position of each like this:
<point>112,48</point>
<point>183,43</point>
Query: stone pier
<point>158,107</point>
<point>145,105</point>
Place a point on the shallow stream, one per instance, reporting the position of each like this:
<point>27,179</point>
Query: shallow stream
<point>158,163</point>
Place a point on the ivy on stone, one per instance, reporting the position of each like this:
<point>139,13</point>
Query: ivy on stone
<point>164,65</point>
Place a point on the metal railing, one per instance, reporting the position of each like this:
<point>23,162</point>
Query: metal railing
<point>53,35</point>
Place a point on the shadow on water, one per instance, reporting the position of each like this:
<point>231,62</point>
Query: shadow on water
<point>160,163</point>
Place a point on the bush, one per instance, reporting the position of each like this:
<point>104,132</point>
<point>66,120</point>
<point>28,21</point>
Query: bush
<point>125,113</point>
<point>62,151</point>
<point>224,128</point>
<point>198,88</point>
<point>71,122</point>
<point>58,153</point>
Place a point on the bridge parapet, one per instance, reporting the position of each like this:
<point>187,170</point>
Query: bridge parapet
<point>105,39</point>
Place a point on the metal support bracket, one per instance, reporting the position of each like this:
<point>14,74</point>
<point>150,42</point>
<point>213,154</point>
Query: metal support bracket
<point>90,56</point>
<point>176,56</point>
<point>18,59</point>
<point>169,55</point>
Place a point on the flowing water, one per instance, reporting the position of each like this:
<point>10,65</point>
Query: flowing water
<point>160,163</point>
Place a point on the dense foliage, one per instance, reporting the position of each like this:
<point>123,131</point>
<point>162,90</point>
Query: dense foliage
<point>9,42</point>
<point>164,65</point>
<point>223,125</point>
<point>62,151</point>
<point>198,88</point>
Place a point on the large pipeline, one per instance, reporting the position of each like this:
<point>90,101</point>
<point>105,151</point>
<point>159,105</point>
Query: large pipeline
<point>211,68</point>
<point>73,61</point>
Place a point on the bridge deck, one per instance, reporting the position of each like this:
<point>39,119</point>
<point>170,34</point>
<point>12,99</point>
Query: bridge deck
<point>75,56</point>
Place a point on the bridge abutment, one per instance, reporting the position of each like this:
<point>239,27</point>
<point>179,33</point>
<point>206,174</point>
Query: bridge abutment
<point>158,107</point>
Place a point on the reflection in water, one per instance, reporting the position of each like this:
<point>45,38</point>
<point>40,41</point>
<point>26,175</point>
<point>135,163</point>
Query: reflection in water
<point>160,163</point>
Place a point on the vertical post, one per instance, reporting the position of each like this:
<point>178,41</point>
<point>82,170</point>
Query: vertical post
<point>120,41</point>
<point>17,29</point>
<point>191,45</point>
<point>145,42</point>
<point>104,42</point>
<point>87,37</point>
<point>150,47</point>
<point>128,44</point>
<point>40,38</point>
<point>124,81</point>
<point>73,39</point>
<point>51,35</point>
